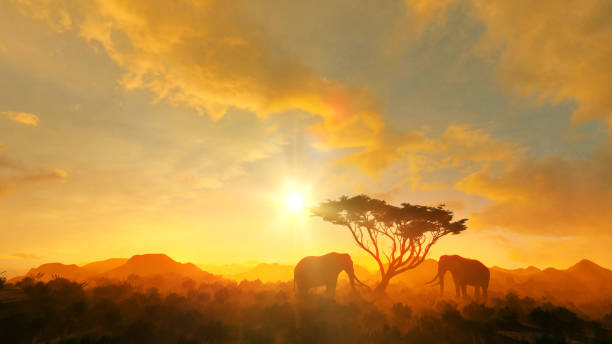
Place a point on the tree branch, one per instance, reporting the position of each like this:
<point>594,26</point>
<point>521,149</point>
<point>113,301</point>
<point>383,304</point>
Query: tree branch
<point>380,265</point>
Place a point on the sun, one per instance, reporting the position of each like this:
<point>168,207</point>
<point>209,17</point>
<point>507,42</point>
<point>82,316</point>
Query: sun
<point>295,201</point>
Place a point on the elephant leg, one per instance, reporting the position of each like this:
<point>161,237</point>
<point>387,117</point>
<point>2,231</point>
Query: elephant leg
<point>464,290</point>
<point>458,289</point>
<point>302,291</point>
<point>484,292</point>
<point>477,291</point>
<point>331,289</point>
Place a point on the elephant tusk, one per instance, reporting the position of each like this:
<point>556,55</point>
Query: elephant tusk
<point>434,279</point>
<point>361,283</point>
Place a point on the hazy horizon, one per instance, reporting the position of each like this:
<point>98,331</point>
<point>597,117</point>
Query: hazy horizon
<point>232,269</point>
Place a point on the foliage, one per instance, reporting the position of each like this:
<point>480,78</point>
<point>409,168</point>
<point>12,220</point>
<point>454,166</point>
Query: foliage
<point>2,280</point>
<point>397,238</point>
<point>62,311</point>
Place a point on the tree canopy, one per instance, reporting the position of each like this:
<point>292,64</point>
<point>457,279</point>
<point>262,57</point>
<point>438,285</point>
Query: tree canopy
<point>398,238</point>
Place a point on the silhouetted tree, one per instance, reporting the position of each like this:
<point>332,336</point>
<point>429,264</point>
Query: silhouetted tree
<point>398,238</point>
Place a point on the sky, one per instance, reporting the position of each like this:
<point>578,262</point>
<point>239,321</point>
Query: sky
<point>130,127</point>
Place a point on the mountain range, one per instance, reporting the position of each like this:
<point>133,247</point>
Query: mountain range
<point>581,281</point>
<point>142,266</point>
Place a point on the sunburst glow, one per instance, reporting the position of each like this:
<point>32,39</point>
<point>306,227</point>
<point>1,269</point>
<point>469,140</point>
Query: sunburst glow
<point>295,201</point>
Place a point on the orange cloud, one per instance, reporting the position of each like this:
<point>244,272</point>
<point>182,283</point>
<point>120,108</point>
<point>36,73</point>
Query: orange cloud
<point>554,50</point>
<point>21,117</point>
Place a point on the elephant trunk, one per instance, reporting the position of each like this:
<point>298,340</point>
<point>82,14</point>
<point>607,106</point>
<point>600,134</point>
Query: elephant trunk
<point>442,282</point>
<point>351,275</point>
<point>441,273</point>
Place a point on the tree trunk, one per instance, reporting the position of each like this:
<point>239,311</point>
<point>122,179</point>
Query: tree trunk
<point>382,286</point>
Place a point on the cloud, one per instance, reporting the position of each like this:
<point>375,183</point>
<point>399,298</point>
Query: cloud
<point>547,196</point>
<point>392,148</point>
<point>210,56</point>
<point>15,174</point>
<point>462,144</point>
<point>21,117</point>
<point>56,17</point>
<point>554,51</point>
<point>460,148</point>
<point>25,255</point>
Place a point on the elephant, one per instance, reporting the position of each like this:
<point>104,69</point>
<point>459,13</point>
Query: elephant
<point>314,271</point>
<point>465,272</point>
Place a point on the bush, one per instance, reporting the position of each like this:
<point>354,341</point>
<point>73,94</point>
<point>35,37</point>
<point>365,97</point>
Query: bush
<point>62,311</point>
<point>2,280</point>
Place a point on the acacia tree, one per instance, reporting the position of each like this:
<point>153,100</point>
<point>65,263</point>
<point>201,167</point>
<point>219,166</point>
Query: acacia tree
<point>398,238</point>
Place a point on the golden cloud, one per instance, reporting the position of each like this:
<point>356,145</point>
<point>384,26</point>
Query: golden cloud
<point>21,117</point>
<point>14,174</point>
<point>460,144</point>
<point>554,50</point>
<point>547,195</point>
<point>210,56</point>
<point>25,255</point>
<point>461,148</point>
<point>57,17</point>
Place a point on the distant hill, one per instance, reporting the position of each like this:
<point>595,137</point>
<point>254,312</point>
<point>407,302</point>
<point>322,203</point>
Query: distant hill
<point>581,282</point>
<point>157,264</point>
<point>146,265</point>
<point>104,265</point>
<point>504,277</point>
<point>420,275</point>
<point>49,271</point>
<point>228,270</point>
<point>266,273</point>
